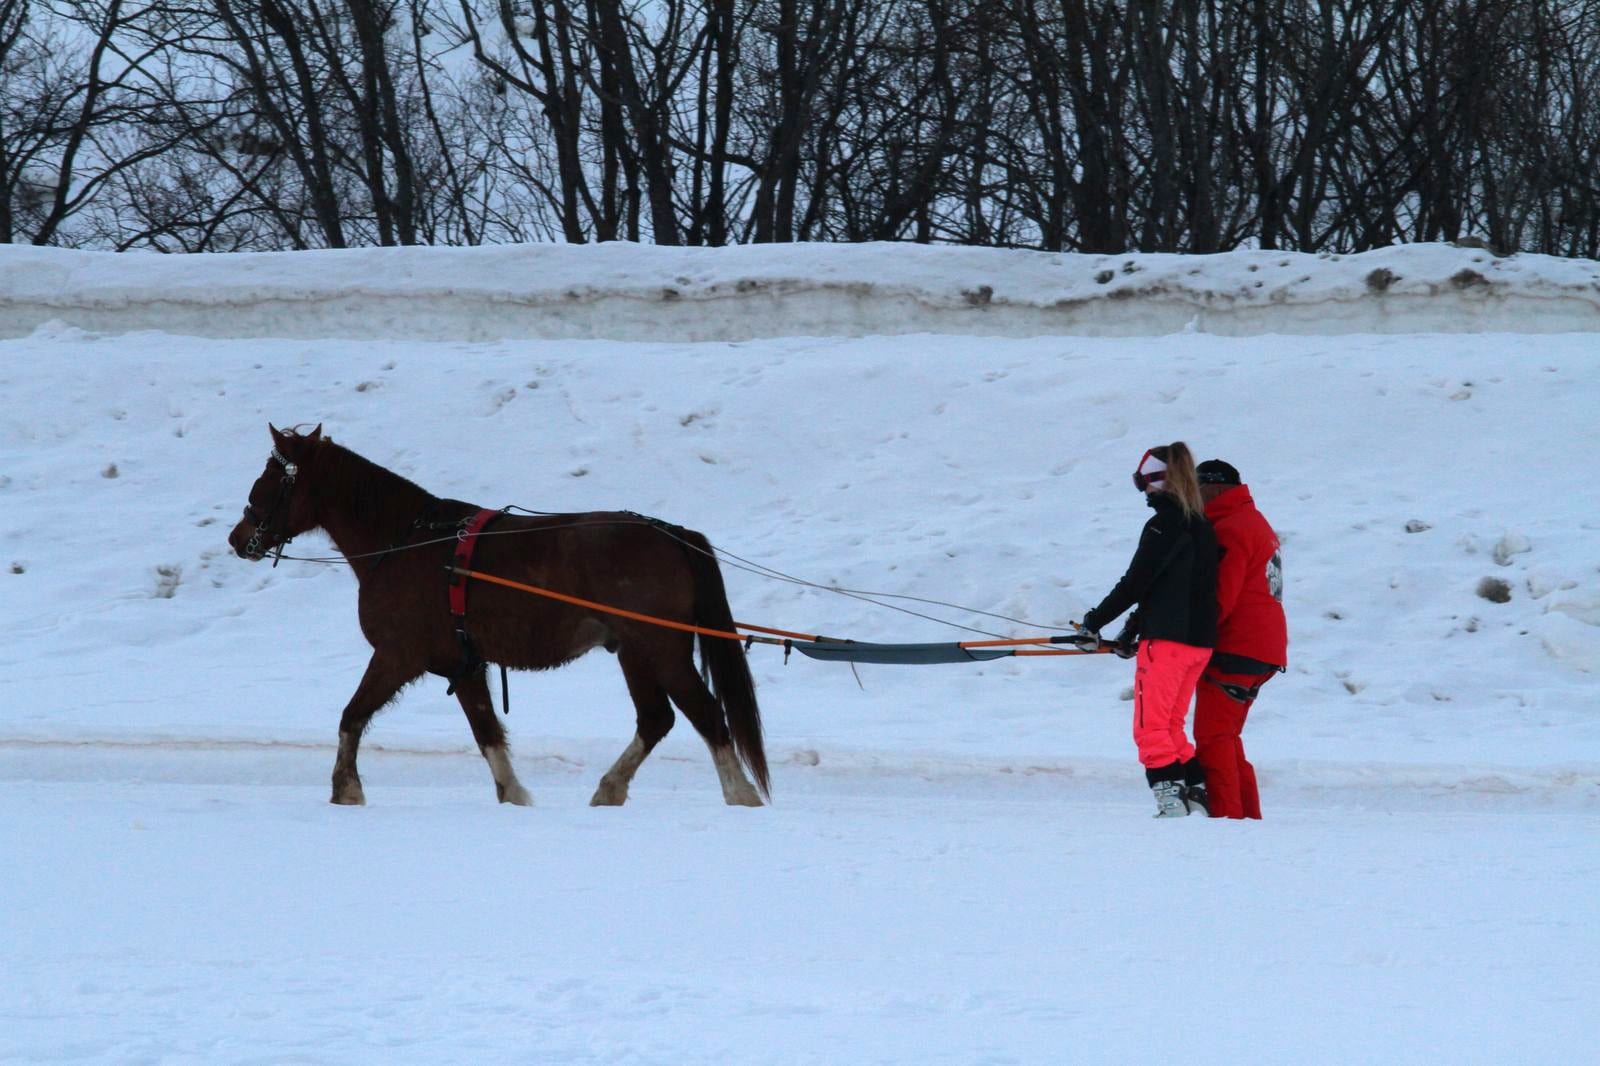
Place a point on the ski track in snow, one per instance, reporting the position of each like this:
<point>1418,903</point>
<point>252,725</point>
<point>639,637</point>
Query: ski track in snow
<point>959,865</point>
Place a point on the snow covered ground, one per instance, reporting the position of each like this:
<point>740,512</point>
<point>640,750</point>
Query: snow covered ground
<point>958,865</point>
<point>205,906</point>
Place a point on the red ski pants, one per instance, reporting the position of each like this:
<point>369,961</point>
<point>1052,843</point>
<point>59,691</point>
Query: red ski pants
<point>1163,684</point>
<point>1219,744</point>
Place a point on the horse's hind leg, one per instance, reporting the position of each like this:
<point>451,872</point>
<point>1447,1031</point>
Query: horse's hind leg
<point>473,692</point>
<point>378,686</point>
<point>698,705</point>
<point>655,721</point>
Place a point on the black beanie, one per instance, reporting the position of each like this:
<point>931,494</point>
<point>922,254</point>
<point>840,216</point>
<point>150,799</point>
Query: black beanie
<point>1217,472</point>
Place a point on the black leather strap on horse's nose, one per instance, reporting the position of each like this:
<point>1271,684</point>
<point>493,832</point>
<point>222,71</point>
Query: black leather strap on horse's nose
<point>466,543</point>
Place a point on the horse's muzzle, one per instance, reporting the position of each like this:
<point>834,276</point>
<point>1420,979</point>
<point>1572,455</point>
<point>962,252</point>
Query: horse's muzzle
<point>246,542</point>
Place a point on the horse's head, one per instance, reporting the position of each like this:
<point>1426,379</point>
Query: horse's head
<point>278,507</point>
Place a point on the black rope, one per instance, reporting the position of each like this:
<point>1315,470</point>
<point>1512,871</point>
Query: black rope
<point>762,570</point>
<point>874,598</point>
<point>734,561</point>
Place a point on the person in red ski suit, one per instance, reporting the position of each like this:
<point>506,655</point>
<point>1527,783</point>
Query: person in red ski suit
<point>1252,639</point>
<point>1172,578</point>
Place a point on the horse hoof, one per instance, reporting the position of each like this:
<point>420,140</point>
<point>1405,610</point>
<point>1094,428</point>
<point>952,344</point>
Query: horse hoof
<point>349,799</point>
<point>609,796</point>
<point>517,797</point>
<point>750,800</point>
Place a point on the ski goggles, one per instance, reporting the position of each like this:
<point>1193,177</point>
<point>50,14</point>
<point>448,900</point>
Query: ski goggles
<point>1149,473</point>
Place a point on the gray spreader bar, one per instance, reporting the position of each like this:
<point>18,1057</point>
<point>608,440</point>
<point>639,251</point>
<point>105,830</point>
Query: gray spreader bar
<point>853,651</point>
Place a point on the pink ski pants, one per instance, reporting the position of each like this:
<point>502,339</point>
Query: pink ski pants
<point>1163,685</point>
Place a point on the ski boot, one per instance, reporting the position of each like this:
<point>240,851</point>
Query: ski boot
<point>1169,799</point>
<point>1195,796</point>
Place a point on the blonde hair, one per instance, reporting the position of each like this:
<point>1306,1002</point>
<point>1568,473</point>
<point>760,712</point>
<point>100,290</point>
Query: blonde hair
<point>1181,480</point>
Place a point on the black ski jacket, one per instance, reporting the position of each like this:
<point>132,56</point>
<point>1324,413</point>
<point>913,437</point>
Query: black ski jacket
<point>1173,579</point>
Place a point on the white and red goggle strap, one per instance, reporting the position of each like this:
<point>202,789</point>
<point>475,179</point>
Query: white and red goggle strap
<point>1150,471</point>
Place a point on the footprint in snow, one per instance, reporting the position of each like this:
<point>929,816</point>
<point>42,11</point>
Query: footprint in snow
<point>500,398</point>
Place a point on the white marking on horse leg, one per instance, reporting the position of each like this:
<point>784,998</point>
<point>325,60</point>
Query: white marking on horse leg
<point>613,790</point>
<point>506,785</point>
<point>736,788</point>
<point>346,782</point>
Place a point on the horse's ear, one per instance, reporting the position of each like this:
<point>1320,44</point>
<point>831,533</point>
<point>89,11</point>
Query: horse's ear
<point>315,435</point>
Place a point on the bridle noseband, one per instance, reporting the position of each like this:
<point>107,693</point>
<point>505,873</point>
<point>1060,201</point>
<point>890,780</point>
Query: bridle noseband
<point>253,546</point>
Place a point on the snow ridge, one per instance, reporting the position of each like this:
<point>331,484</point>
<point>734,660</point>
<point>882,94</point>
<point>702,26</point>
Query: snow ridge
<point>623,291</point>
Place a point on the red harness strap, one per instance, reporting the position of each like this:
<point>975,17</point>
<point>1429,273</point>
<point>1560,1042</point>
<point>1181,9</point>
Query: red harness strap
<point>466,541</point>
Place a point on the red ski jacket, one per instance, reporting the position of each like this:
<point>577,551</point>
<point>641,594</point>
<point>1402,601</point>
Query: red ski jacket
<point>1250,618</point>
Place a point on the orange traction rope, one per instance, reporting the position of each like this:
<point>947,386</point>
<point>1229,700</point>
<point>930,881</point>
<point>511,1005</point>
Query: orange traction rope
<point>725,634</point>
<point>1063,651</point>
<point>782,632</point>
<point>593,606</point>
<point>1006,643</point>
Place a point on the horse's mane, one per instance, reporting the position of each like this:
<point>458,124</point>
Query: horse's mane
<point>371,494</point>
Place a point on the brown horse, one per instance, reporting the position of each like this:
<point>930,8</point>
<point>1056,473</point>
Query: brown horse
<point>399,541</point>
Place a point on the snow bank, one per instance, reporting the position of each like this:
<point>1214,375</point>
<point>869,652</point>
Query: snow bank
<point>631,292</point>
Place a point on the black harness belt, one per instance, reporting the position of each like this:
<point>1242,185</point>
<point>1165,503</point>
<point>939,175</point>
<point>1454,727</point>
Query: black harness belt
<point>1240,666</point>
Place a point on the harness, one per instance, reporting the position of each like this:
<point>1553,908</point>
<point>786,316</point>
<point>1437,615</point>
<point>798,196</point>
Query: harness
<point>471,661</point>
<point>1229,663</point>
<point>1240,693</point>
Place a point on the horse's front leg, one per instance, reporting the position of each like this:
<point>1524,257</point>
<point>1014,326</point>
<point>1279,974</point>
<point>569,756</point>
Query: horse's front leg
<point>473,692</point>
<point>378,686</point>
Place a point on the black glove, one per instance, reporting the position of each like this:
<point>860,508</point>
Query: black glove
<point>1127,642</point>
<point>1086,639</point>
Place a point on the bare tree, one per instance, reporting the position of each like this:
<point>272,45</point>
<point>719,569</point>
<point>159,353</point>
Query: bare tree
<point>71,120</point>
<point>1093,125</point>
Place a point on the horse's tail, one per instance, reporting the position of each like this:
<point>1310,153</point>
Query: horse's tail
<point>724,660</point>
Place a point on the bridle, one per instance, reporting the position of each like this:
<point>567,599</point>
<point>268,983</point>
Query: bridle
<point>253,546</point>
